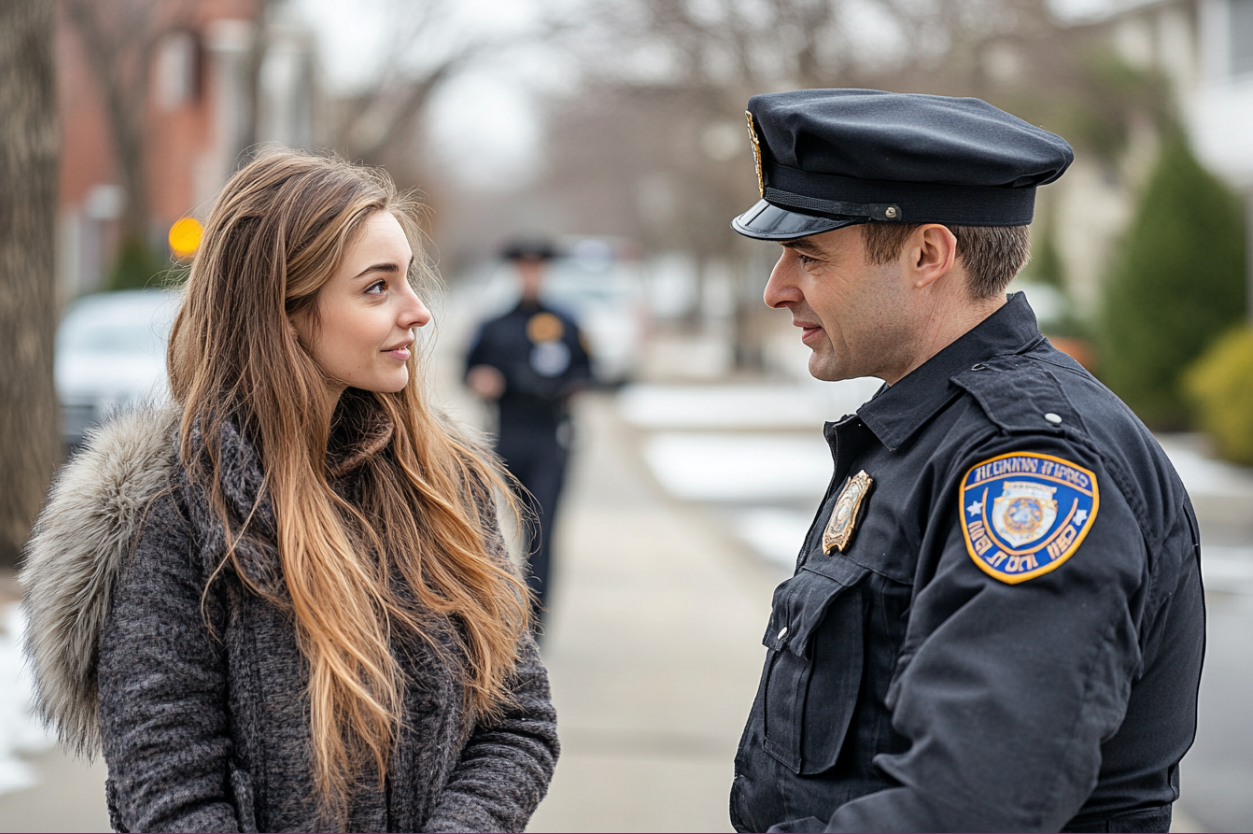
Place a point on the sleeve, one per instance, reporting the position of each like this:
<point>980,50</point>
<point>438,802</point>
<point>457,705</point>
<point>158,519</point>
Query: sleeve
<point>163,688</point>
<point>1007,683</point>
<point>580,374</point>
<point>479,352</point>
<point>505,766</point>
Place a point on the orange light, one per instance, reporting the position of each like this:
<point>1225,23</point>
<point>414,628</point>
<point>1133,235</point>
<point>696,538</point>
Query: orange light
<point>185,237</point>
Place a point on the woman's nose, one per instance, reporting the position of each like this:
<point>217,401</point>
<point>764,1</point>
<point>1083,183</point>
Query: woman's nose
<point>415,313</point>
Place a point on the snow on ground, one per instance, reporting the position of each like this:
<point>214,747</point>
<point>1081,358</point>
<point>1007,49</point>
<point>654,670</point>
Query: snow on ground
<point>20,731</point>
<point>774,533</point>
<point>803,406</point>
<point>760,449</point>
<point>746,467</point>
<point>1203,475</point>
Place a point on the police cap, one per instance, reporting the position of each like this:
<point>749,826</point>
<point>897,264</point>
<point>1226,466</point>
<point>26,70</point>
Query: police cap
<point>833,158</point>
<point>528,249</point>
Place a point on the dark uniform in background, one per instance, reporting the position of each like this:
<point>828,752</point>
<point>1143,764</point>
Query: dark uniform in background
<point>542,361</point>
<point>996,620</point>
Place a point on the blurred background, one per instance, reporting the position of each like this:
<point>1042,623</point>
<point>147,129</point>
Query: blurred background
<point>616,128</point>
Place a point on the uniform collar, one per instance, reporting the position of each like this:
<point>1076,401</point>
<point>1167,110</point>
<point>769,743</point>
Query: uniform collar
<point>898,411</point>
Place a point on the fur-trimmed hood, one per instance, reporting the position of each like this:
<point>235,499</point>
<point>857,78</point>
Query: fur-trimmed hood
<point>88,526</point>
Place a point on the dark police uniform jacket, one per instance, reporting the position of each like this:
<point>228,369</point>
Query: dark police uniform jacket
<point>1012,637</point>
<point>540,352</point>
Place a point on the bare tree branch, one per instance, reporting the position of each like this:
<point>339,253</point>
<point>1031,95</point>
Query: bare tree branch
<point>119,41</point>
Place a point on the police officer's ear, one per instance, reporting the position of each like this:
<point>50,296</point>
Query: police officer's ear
<point>931,253</point>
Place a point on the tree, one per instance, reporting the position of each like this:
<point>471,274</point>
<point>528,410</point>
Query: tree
<point>29,440</point>
<point>659,128</point>
<point>1177,285</point>
<point>120,41</point>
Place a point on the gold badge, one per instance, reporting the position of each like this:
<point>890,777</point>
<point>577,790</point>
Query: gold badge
<point>752,135</point>
<point>544,327</point>
<point>844,517</point>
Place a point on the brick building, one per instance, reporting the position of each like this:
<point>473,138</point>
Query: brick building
<point>186,71</point>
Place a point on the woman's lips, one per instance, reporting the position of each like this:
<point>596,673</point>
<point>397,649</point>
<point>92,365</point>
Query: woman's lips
<point>400,353</point>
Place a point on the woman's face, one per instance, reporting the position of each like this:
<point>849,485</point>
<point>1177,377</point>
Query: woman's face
<point>366,313</point>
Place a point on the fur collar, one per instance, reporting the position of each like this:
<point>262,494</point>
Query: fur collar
<point>86,529</point>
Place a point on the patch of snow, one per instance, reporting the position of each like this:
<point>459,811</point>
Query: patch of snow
<point>739,467</point>
<point>804,406</point>
<point>1205,476</point>
<point>20,730</point>
<point>774,533</point>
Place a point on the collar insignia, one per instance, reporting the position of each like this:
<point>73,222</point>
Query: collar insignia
<point>752,136</point>
<point>1024,514</point>
<point>844,516</point>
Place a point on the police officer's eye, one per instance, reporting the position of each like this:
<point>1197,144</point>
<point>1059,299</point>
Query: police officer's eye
<point>805,259</point>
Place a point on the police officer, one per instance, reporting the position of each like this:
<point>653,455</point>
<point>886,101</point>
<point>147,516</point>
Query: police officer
<point>530,362</point>
<point>996,619</point>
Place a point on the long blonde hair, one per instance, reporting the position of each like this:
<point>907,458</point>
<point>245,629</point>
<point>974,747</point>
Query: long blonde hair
<point>275,235</point>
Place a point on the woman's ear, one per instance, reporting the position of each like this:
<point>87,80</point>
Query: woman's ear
<point>301,327</point>
<point>934,253</point>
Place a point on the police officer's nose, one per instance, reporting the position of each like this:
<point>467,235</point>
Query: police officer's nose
<point>780,290</point>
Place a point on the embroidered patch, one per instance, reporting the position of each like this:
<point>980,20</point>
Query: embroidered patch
<point>1025,514</point>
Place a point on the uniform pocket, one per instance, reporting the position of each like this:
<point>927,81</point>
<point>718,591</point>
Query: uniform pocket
<point>815,666</point>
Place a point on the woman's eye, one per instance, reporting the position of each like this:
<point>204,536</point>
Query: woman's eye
<point>376,288</point>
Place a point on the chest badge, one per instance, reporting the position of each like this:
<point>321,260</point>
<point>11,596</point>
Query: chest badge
<point>1023,515</point>
<point>844,516</point>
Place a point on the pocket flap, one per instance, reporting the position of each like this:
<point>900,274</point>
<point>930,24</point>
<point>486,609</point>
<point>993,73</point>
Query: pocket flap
<point>801,603</point>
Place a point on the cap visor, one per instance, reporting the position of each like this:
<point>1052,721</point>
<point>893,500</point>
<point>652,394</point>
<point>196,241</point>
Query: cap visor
<point>766,221</point>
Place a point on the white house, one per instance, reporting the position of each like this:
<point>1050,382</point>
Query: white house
<point>1206,48</point>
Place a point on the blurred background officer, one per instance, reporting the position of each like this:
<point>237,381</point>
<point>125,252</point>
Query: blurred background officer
<point>530,362</point>
<point>996,622</point>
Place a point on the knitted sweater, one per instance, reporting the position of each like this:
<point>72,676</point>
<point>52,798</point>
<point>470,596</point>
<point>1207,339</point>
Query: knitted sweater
<point>198,699</point>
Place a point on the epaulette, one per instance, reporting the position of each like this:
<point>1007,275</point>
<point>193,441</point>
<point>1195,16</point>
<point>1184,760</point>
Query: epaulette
<point>1021,394</point>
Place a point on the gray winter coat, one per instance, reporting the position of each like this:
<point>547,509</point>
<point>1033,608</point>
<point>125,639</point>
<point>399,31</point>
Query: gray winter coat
<point>198,699</point>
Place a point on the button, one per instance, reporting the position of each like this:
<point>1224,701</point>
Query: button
<point>1053,418</point>
<point>891,213</point>
<point>782,633</point>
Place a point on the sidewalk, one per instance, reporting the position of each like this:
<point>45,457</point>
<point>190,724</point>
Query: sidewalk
<point>654,647</point>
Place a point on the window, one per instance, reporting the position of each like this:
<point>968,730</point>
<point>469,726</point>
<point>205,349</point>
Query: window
<point>176,70</point>
<point>1241,28</point>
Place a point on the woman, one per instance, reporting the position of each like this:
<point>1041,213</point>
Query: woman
<point>287,594</point>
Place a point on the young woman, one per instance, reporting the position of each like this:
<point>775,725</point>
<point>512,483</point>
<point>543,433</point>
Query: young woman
<point>283,603</point>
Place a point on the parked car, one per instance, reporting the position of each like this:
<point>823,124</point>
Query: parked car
<point>110,351</point>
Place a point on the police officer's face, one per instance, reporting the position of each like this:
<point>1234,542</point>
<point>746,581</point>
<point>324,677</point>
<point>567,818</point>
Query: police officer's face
<point>850,312</point>
<point>367,313</point>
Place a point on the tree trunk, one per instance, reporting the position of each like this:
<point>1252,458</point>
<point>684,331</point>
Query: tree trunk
<point>29,438</point>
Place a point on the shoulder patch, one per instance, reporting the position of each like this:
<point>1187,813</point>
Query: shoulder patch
<point>1025,514</point>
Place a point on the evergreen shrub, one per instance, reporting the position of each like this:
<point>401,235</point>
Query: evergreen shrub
<point>1177,284</point>
<point>136,267</point>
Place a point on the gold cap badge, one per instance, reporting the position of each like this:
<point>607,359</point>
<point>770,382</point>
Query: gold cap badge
<point>839,530</point>
<point>752,136</point>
